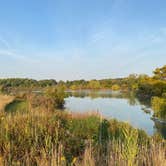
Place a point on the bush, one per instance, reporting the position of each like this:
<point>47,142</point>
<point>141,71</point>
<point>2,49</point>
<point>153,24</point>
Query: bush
<point>55,96</point>
<point>159,107</point>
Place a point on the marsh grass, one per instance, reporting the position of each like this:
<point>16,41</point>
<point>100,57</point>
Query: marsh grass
<point>153,155</point>
<point>41,138</point>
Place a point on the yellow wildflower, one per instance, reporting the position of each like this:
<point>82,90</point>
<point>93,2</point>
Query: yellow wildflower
<point>63,158</point>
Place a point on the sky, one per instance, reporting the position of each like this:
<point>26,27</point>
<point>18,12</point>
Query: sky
<point>81,39</point>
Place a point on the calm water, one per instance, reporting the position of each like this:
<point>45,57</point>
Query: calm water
<point>115,105</point>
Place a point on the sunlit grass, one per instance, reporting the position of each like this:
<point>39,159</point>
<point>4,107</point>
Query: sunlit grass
<point>57,138</point>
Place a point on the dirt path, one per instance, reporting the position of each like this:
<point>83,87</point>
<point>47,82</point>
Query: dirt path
<point>4,100</point>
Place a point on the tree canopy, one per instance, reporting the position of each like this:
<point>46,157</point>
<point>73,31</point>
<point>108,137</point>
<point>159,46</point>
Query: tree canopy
<point>160,73</point>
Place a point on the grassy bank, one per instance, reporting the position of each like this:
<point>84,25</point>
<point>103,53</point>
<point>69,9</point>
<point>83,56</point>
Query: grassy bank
<point>42,138</point>
<point>17,105</point>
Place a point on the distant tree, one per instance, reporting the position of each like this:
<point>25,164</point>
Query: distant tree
<point>143,77</point>
<point>46,83</point>
<point>115,87</point>
<point>73,87</point>
<point>94,84</point>
<point>132,81</point>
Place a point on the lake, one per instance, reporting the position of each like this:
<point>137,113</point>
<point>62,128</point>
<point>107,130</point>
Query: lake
<point>113,104</point>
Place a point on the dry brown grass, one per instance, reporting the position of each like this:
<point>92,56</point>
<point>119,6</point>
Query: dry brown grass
<point>150,157</point>
<point>80,115</point>
<point>4,100</point>
<point>41,138</point>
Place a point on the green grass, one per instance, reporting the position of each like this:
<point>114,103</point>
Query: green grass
<point>17,106</point>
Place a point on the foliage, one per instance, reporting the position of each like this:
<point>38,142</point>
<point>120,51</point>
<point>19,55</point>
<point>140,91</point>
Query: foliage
<point>160,73</point>
<point>7,84</point>
<point>115,87</point>
<point>159,106</point>
<point>55,97</point>
<point>94,84</point>
<point>151,88</point>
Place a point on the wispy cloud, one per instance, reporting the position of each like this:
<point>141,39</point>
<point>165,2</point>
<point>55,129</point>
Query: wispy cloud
<point>7,50</point>
<point>12,54</point>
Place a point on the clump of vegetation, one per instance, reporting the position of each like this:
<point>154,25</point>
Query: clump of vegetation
<point>115,87</point>
<point>151,88</point>
<point>159,107</point>
<point>130,145</point>
<point>154,89</point>
<point>160,73</point>
<point>154,86</point>
<point>55,96</point>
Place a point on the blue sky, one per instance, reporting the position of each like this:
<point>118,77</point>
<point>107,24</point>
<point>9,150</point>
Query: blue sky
<point>81,39</point>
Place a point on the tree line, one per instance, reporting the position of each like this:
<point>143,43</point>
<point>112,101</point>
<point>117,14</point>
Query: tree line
<point>126,83</point>
<point>152,88</point>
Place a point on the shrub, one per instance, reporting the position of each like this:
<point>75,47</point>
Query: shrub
<point>55,96</point>
<point>159,107</point>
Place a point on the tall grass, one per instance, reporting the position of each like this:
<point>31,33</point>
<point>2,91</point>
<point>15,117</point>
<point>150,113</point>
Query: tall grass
<point>149,155</point>
<point>40,138</point>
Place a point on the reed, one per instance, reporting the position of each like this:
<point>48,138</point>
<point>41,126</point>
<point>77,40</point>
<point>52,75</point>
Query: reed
<point>41,138</point>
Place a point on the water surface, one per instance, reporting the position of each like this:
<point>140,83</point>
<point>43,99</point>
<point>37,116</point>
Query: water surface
<point>123,107</point>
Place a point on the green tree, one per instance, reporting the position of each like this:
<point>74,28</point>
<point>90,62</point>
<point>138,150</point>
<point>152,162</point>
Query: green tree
<point>94,84</point>
<point>159,107</point>
<point>55,97</point>
<point>160,73</point>
<point>115,87</point>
